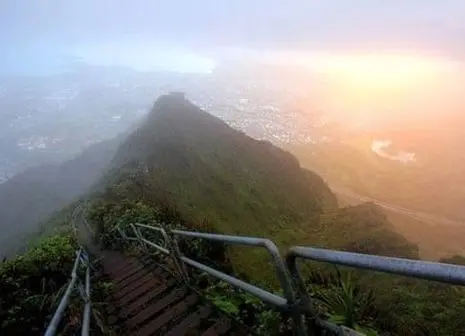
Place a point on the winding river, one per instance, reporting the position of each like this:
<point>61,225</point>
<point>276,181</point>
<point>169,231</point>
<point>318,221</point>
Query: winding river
<point>379,147</point>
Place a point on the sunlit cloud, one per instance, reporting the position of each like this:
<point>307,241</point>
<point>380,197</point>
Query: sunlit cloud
<point>379,71</point>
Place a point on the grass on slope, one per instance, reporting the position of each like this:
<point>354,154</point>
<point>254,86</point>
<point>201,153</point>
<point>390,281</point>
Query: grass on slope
<point>185,159</point>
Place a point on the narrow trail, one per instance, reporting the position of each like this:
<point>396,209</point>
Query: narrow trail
<point>149,300</point>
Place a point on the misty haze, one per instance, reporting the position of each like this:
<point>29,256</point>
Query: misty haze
<point>325,124</point>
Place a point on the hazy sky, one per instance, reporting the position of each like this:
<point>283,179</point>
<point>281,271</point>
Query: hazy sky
<point>432,27</point>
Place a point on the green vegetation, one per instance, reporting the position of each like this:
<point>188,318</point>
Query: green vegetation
<point>247,309</point>
<point>45,189</point>
<point>362,300</point>
<point>343,302</point>
<point>184,159</point>
<point>456,260</point>
<point>184,168</point>
<point>33,283</point>
<point>239,305</point>
<point>389,304</point>
<point>364,229</point>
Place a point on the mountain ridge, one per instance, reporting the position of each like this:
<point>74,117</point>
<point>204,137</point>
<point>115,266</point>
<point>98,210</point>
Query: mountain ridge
<point>214,175</point>
<point>29,198</point>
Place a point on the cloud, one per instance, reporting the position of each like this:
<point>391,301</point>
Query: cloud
<point>427,25</point>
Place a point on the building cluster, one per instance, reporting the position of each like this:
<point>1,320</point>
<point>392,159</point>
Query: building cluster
<point>61,116</point>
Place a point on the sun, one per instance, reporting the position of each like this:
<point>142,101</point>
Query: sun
<point>375,72</point>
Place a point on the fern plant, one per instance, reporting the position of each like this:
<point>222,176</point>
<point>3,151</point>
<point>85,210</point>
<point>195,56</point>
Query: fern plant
<point>346,302</point>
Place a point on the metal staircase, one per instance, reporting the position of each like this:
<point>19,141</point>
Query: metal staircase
<point>148,300</point>
<point>155,300</point>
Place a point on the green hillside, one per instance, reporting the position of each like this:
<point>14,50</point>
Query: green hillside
<point>362,228</point>
<point>185,159</point>
<point>29,198</point>
<point>184,167</point>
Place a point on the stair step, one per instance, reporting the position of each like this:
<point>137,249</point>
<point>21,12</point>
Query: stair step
<point>170,315</point>
<point>115,259</point>
<point>131,309</point>
<point>220,327</point>
<point>119,278</point>
<point>110,270</point>
<point>116,265</point>
<point>191,322</point>
<point>136,294</point>
<point>120,293</point>
<point>157,307</point>
<point>148,300</point>
<point>136,277</point>
<point>116,273</point>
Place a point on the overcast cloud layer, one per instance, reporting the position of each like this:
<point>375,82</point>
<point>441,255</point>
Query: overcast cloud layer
<point>423,26</point>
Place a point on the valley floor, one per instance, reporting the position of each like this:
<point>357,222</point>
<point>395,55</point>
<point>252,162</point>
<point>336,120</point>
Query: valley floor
<point>436,236</point>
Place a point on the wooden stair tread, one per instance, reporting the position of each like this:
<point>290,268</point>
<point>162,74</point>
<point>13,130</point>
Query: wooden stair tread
<point>168,316</point>
<point>157,307</point>
<point>221,327</point>
<point>190,322</point>
<point>148,300</point>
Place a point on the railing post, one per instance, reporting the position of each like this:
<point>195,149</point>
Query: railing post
<point>170,246</point>
<point>121,232</point>
<point>178,257</point>
<point>87,307</point>
<point>280,269</point>
<point>283,278</point>
<point>302,293</point>
<point>427,270</point>
<point>139,238</point>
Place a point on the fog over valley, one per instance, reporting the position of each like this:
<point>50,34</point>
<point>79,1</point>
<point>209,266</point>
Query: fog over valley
<point>62,90</point>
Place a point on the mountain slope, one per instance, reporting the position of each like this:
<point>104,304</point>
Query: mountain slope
<point>212,174</point>
<point>212,171</point>
<point>31,196</point>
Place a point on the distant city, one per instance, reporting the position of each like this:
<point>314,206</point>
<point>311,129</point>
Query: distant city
<point>52,118</point>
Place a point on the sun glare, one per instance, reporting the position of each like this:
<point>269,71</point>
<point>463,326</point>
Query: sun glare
<point>377,71</point>
<point>370,88</point>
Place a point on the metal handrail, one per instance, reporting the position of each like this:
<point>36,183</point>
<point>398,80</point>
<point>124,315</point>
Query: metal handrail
<point>162,249</point>
<point>84,290</point>
<point>428,270</point>
<point>285,303</point>
<point>278,262</point>
<point>172,251</point>
<point>262,294</point>
<point>446,273</point>
<point>299,309</point>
